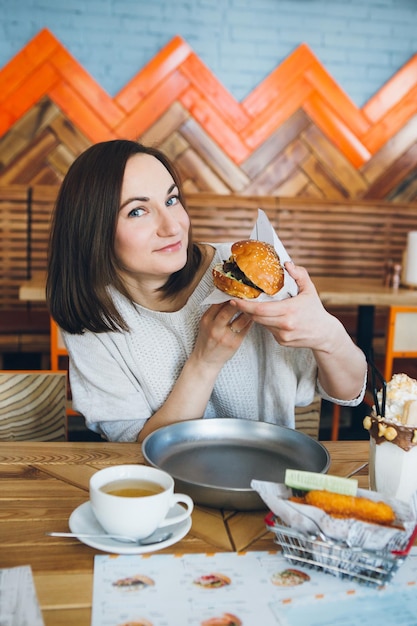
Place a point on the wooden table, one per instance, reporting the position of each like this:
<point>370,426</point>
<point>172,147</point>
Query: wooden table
<point>42,483</point>
<point>366,294</point>
<point>333,291</point>
<point>336,291</point>
<point>33,290</point>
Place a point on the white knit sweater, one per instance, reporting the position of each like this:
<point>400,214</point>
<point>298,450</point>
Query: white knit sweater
<point>119,379</point>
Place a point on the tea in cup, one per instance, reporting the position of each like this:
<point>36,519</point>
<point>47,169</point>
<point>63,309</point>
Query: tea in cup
<point>134,500</point>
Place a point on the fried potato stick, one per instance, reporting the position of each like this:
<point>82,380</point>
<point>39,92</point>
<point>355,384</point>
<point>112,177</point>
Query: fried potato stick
<point>351,506</point>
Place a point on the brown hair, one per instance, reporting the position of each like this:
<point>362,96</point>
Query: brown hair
<point>82,263</point>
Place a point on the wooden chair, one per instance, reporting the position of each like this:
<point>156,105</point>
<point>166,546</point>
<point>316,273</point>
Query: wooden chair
<point>307,418</point>
<point>33,405</point>
<point>59,361</point>
<point>400,343</point>
<point>401,336</point>
<point>58,349</point>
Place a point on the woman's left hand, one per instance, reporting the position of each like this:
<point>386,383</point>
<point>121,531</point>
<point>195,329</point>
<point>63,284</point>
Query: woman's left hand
<point>301,321</point>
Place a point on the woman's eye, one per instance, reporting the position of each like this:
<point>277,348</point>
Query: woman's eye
<point>173,200</point>
<point>138,212</point>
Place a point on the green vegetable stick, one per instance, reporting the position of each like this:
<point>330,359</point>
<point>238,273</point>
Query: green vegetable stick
<point>298,479</point>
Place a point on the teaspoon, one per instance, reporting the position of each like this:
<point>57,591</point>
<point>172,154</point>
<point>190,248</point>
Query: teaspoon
<point>148,541</point>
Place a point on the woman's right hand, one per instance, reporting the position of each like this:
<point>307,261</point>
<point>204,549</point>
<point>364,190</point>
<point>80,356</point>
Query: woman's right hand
<point>220,335</point>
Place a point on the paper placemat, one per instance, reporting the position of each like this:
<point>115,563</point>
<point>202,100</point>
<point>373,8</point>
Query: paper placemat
<point>248,589</point>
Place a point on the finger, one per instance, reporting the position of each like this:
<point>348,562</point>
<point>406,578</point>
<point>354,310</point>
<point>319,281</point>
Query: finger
<point>300,275</point>
<point>240,323</point>
<point>258,310</point>
<point>295,271</point>
<point>222,312</point>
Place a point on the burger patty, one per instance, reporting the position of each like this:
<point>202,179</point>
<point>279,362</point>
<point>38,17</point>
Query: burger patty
<point>230,267</point>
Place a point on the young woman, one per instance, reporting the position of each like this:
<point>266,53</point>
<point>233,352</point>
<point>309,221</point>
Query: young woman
<point>126,284</point>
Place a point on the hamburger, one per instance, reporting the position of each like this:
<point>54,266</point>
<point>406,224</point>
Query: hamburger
<point>253,268</point>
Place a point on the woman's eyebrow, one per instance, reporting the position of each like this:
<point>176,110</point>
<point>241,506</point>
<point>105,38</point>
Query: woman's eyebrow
<point>135,199</point>
<point>145,198</point>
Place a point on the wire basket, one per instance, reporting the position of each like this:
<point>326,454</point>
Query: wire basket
<point>372,568</point>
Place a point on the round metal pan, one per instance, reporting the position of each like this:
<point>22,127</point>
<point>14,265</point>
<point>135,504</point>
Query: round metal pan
<point>214,460</point>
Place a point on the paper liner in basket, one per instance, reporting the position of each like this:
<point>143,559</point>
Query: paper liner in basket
<point>309,519</point>
<point>263,231</point>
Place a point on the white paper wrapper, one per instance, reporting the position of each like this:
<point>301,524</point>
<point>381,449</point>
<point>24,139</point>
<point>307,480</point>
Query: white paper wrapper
<point>310,520</point>
<point>263,231</point>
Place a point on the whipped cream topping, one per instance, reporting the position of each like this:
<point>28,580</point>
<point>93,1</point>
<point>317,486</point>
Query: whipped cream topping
<point>401,390</point>
<point>399,426</point>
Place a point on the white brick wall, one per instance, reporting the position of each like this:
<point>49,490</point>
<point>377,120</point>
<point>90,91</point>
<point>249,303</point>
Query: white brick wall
<point>362,43</point>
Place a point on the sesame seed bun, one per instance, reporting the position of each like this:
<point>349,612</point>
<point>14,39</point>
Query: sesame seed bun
<point>253,267</point>
<point>232,286</point>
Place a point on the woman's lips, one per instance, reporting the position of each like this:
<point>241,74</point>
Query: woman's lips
<point>173,247</point>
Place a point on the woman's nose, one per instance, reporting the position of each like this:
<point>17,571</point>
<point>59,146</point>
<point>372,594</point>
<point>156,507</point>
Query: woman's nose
<point>168,225</point>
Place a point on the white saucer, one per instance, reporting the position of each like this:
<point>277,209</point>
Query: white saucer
<point>83,520</point>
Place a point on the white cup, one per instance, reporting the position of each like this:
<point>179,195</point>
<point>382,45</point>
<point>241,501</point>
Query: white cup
<point>135,516</point>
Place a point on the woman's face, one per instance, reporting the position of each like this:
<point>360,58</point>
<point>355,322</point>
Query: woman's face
<point>152,227</point>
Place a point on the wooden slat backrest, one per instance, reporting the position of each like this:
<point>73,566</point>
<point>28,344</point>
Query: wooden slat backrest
<point>42,202</point>
<point>353,239</point>
<point>401,336</point>
<point>25,215</point>
<point>343,238</point>
<point>32,405</point>
<point>307,418</point>
<point>14,242</point>
<point>219,218</point>
<point>333,238</point>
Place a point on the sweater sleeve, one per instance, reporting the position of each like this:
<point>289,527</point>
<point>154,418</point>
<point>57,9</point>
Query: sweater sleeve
<point>104,389</point>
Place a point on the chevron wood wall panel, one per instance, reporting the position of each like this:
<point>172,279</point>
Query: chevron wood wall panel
<point>296,134</point>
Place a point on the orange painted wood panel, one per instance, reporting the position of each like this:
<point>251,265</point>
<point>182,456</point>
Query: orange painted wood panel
<point>44,67</point>
<point>87,88</point>
<point>33,55</point>
<point>277,112</point>
<point>213,91</point>
<point>326,119</point>
<point>26,94</point>
<point>395,119</point>
<point>336,98</point>
<point>149,109</point>
<point>215,125</point>
<point>79,112</point>
<point>273,86</point>
<point>393,91</point>
<point>391,151</point>
<point>165,63</point>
